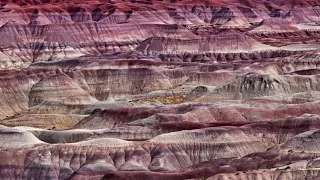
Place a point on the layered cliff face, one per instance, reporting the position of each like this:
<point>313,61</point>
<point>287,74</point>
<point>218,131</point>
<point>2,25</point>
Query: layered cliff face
<point>124,89</point>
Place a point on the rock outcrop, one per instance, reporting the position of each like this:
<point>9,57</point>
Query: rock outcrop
<point>150,89</point>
